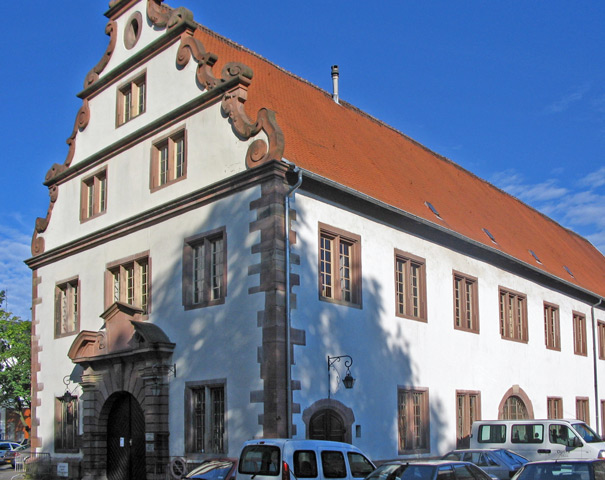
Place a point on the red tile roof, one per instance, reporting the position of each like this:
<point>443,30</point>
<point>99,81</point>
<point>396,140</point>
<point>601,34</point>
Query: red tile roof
<point>341,143</point>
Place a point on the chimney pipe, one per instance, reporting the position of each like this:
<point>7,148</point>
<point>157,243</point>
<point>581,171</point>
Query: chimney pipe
<point>335,83</point>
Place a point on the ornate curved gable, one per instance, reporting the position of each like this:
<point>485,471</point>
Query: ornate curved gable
<point>120,334</point>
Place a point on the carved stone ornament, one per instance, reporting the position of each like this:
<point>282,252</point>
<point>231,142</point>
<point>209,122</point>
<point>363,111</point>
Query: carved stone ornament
<point>165,17</point>
<point>93,75</point>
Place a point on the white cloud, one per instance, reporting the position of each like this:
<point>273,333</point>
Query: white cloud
<point>594,179</point>
<point>566,101</point>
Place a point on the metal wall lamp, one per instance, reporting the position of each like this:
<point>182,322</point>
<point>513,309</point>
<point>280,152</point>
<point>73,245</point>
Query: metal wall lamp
<point>348,381</point>
<point>157,371</point>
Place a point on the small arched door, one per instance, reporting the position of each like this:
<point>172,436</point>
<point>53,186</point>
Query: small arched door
<point>126,439</point>
<point>327,425</point>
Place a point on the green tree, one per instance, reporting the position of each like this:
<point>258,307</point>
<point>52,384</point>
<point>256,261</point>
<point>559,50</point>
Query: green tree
<point>15,362</point>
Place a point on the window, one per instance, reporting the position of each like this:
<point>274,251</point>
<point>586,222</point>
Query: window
<point>582,412</point>
<point>67,307</point>
<point>551,327</point>
<point>410,286</point>
<point>527,433</point>
<point>413,421</point>
<point>168,160</point>
<point>93,195</point>
<point>554,407</point>
<point>468,409</point>
<point>128,281</point>
<point>305,464</point>
<point>66,425</point>
<point>513,316</point>
<point>205,417</point>
<point>205,269</point>
<point>601,334</point>
<point>131,100</point>
<point>602,416</point>
<point>579,334</point>
<point>339,266</point>
<point>466,306</point>
<point>514,409</point>
<point>361,467</point>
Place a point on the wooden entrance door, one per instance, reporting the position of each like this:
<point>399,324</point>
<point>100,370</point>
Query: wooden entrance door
<point>126,440</point>
<point>327,425</point>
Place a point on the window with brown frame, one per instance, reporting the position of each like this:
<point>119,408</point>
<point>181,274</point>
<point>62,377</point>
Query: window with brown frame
<point>168,160</point>
<point>466,303</point>
<point>602,416</point>
<point>413,420</point>
<point>579,334</point>
<point>93,195</point>
<point>468,409</point>
<point>513,315</point>
<point>582,412</point>
<point>601,334</point>
<point>339,266</point>
<point>205,269</point>
<point>66,425</point>
<point>552,332</point>
<point>410,286</point>
<point>205,430</point>
<point>131,100</point>
<point>129,281</point>
<point>554,407</point>
<point>67,307</point>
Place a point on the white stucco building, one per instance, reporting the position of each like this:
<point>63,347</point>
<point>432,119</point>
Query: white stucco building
<point>161,323</point>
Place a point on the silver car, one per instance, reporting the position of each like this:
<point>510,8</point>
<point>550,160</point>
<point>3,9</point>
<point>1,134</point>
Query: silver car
<point>498,462</point>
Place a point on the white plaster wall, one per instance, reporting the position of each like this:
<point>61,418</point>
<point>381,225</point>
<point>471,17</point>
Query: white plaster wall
<point>212,342</point>
<point>389,351</point>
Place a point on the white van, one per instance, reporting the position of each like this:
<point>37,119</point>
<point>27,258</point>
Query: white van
<point>277,459</point>
<point>539,439</point>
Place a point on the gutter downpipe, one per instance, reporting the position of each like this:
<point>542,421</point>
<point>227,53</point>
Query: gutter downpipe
<point>291,169</point>
<point>594,366</point>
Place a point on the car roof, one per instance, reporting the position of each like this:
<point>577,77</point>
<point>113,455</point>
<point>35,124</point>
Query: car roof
<point>566,460</point>
<point>432,462</point>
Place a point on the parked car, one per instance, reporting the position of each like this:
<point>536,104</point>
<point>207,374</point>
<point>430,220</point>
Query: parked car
<point>11,456</point>
<point>215,469</point>
<point>7,447</point>
<point>428,470</point>
<point>573,469</point>
<point>498,462</point>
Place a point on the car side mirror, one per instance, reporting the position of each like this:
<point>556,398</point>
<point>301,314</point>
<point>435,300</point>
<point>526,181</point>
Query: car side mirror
<point>577,442</point>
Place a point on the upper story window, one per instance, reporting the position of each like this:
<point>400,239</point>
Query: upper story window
<point>513,315</point>
<point>205,269</point>
<point>410,286</point>
<point>131,99</point>
<point>67,307</point>
<point>601,335</point>
<point>93,196</point>
<point>339,266</point>
<point>579,334</point>
<point>582,412</point>
<point>129,281</point>
<point>551,327</point>
<point>466,303</point>
<point>168,160</point>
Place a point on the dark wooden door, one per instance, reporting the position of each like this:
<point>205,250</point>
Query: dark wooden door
<point>327,425</point>
<point>126,440</point>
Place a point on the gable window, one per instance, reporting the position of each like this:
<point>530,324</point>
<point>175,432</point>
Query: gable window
<point>205,430</point>
<point>66,425</point>
<point>67,307</point>
<point>128,281</point>
<point>413,420</point>
<point>579,334</point>
<point>93,196</point>
<point>466,306</point>
<point>582,412</point>
<point>410,286</point>
<point>468,409</point>
<point>552,334</point>
<point>168,160</point>
<point>601,335</point>
<point>339,266</point>
<point>205,269</point>
<point>554,407</point>
<point>513,315</point>
<point>131,99</point>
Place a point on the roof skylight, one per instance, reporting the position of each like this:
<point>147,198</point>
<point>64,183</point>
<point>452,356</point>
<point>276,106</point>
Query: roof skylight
<point>535,256</point>
<point>489,234</point>
<point>433,209</point>
<point>568,271</point>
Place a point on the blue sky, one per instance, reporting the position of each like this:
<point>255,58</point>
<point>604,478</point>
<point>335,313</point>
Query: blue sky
<point>513,91</point>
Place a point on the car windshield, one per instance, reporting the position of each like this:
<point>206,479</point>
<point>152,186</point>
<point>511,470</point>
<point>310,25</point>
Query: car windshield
<point>587,433</point>
<point>212,470</point>
<point>403,472</point>
<point>555,471</point>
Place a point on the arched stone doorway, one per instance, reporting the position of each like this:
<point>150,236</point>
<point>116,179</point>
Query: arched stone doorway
<point>125,376</point>
<point>329,419</point>
<point>125,438</point>
<point>515,405</point>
